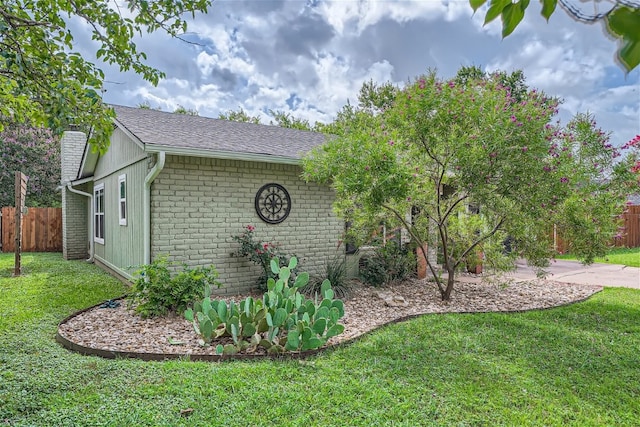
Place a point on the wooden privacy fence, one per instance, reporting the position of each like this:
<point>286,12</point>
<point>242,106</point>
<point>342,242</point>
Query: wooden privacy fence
<point>41,230</point>
<point>630,235</point>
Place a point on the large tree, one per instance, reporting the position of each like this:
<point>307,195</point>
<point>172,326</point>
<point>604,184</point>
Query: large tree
<point>239,115</point>
<point>36,153</point>
<point>43,78</point>
<point>286,120</point>
<point>620,18</point>
<point>469,163</point>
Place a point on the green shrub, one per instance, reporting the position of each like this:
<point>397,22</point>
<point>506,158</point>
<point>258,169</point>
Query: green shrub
<point>388,263</point>
<point>283,320</point>
<point>157,292</point>
<point>261,253</point>
<point>336,273</point>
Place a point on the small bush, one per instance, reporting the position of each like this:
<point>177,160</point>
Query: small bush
<point>336,273</point>
<point>388,263</point>
<point>156,292</point>
<point>261,253</point>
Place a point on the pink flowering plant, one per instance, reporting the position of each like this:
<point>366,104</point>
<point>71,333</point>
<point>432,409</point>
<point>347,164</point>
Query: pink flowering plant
<point>36,153</point>
<point>478,160</point>
<point>260,253</point>
<point>629,166</point>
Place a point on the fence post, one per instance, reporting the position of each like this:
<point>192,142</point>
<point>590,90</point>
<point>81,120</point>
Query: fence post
<point>21,193</point>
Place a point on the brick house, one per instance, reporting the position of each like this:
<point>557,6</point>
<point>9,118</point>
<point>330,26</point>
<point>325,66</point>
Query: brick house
<point>180,186</point>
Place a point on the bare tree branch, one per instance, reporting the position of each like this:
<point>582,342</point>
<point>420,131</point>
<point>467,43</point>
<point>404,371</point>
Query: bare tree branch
<point>410,229</point>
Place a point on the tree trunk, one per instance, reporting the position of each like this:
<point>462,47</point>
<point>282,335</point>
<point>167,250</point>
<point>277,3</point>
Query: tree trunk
<point>446,295</point>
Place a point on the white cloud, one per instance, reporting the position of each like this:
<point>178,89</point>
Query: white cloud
<point>340,81</point>
<point>556,68</point>
<point>309,58</point>
<point>361,14</point>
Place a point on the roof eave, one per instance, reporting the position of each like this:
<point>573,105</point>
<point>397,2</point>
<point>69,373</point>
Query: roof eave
<point>216,154</point>
<point>88,162</point>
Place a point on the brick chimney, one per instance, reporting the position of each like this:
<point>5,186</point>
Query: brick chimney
<point>72,146</point>
<point>75,207</point>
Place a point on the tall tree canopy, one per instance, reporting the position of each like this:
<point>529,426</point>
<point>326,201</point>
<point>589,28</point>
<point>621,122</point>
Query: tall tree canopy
<point>286,120</point>
<point>445,150</point>
<point>36,153</point>
<point>621,20</point>
<point>45,81</point>
<point>239,116</point>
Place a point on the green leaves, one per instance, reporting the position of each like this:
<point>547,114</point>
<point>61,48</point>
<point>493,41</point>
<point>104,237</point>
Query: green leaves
<point>475,4</point>
<point>548,7</point>
<point>495,9</point>
<point>624,23</point>
<point>477,140</point>
<point>37,47</point>
<point>512,14</point>
<point>629,54</point>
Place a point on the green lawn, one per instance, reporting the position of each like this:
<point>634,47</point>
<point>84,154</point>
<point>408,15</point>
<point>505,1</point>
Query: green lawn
<point>623,256</point>
<point>571,366</point>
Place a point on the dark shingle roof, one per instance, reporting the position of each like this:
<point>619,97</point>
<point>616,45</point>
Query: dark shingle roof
<point>181,131</point>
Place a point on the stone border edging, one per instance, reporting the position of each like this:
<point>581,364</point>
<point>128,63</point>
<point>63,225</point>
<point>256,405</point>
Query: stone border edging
<point>115,354</point>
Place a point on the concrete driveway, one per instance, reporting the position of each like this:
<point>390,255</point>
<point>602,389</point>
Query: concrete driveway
<point>575,272</point>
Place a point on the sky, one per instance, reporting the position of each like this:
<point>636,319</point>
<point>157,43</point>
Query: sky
<point>309,58</point>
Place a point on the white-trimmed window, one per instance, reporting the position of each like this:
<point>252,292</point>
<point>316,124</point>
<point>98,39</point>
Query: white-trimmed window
<point>122,199</point>
<point>98,213</point>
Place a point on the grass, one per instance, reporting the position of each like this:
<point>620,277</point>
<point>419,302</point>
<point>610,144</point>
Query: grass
<point>569,366</point>
<point>623,256</point>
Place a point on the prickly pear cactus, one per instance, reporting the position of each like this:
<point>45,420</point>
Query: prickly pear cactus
<point>283,320</point>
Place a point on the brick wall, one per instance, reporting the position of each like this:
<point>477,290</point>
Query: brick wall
<point>197,204</point>
<point>75,244</point>
<point>71,149</point>
<point>74,206</point>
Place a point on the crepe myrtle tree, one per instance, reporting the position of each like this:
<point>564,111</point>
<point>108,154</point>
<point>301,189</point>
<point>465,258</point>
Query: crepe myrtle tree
<point>36,153</point>
<point>628,170</point>
<point>464,165</point>
<point>45,80</point>
<point>602,176</point>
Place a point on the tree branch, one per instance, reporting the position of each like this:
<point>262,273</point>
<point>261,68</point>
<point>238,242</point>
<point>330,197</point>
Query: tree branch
<point>16,21</point>
<point>453,206</point>
<point>429,153</point>
<point>411,230</point>
<point>480,240</point>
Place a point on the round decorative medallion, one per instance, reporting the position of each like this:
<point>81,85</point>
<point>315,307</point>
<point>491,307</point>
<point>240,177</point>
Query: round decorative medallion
<point>273,203</point>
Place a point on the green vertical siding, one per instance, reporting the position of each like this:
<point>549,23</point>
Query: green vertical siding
<point>123,244</point>
<point>122,151</point>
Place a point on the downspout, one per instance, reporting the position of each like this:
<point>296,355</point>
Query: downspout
<point>90,196</point>
<point>153,173</point>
